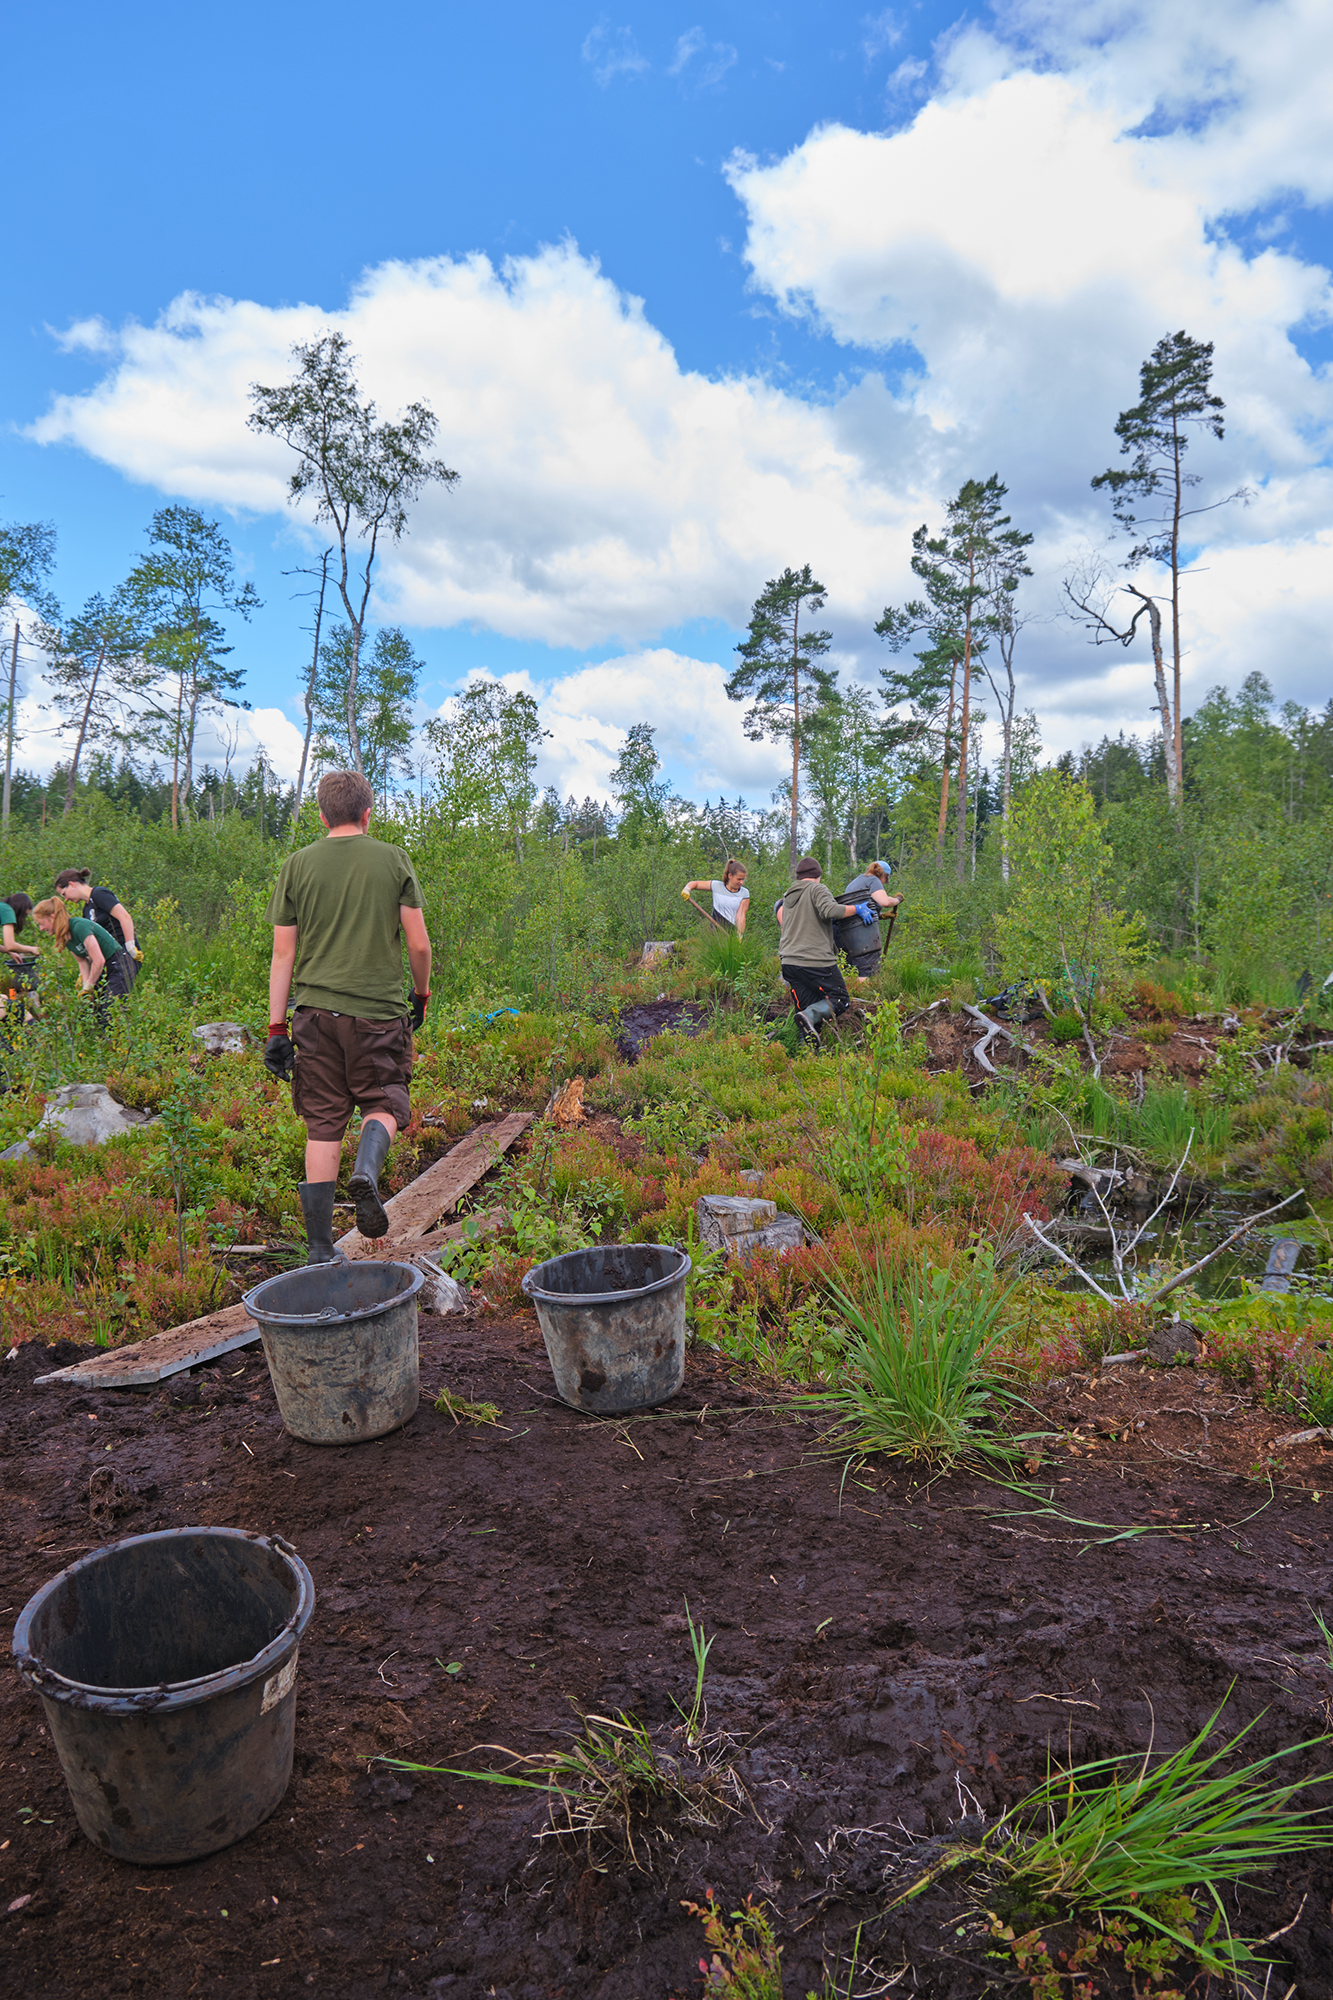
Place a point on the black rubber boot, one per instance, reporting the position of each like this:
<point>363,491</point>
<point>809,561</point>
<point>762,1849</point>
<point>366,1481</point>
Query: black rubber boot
<point>811,1016</point>
<point>317,1208</point>
<point>363,1187</point>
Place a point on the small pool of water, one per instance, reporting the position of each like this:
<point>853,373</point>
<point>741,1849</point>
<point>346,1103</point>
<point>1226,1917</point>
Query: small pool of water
<point>1176,1240</point>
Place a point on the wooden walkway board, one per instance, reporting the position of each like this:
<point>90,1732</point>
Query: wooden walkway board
<point>412,1216</point>
<point>162,1354</point>
<point>414,1213</point>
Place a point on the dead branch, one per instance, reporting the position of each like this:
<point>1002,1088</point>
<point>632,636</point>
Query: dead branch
<point>1234,1237</point>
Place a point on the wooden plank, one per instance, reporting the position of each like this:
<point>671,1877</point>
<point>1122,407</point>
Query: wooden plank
<point>414,1213</point>
<point>388,1247</point>
<point>148,1361</point>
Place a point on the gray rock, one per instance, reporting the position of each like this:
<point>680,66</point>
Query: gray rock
<point>742,1224</point>
<point>724,1217</point>
<point>86,1114</point>
<point>752,1177</point>
<point>785,1232</point>
<point>222,1038</point>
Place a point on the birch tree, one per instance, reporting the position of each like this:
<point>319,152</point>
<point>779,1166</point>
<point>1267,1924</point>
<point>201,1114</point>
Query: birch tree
<point>175,592</point>
<point>363,474</point>
<point>27,556</point>
<point>94,662</point>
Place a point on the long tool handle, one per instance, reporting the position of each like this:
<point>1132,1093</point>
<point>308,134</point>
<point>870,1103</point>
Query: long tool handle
<point>700,911</point>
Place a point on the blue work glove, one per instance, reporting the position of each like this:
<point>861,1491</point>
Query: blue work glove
<point>278,1057</point>
<point>866,912</point>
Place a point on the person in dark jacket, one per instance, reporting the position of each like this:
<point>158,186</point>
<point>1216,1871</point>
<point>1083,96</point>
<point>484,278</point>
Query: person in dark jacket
<point>104,907</point>
<point>807,953</point>
<point>861,945</point>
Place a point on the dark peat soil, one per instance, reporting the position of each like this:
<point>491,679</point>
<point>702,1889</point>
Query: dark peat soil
<point>890,1658</point>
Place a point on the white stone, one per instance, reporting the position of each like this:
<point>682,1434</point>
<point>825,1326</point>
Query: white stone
<point>222,1038</point>
<point>86,1114</point>
<point>440,1293</point>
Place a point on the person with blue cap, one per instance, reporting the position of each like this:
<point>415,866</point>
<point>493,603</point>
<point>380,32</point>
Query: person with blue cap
<point>861,945</point>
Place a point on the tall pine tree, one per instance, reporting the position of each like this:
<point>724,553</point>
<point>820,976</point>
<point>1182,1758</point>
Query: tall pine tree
<point>780,671</point>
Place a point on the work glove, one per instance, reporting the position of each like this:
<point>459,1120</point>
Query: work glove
<point>685,894</point>
<point>866,912</point>
<point>420,1002</point>
<point>135,951</point>
<point>279,1057</point>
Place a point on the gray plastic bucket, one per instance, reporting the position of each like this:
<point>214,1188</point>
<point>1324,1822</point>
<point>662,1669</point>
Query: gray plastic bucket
<point>167,1669</point>
<point>341,1345</point>
<point>613,1320</point>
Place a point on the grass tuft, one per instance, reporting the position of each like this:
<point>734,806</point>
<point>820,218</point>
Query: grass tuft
<point>1148,1840</point>
<point>918,1381</point>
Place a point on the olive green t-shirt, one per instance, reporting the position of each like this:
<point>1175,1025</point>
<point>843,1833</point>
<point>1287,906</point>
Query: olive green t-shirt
<point>83,928</point>
<point>343,897</point>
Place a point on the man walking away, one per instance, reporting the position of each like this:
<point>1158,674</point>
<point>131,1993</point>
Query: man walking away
<point>864,947</point>
<point>807,952</point>
<point>347,903</point>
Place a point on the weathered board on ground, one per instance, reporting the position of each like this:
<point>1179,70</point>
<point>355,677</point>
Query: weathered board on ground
<point>411,1216</point>
<point>162,1354</point>
<point>414,1213</point>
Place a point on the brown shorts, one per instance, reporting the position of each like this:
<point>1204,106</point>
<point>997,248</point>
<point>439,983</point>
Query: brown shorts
<point>342,1062</point>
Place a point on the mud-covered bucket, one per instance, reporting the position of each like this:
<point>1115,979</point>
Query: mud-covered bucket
<point>341,1345</point>
<point>166,1665</point>
<point>613,1320</point>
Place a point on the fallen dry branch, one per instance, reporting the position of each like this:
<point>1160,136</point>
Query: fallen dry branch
<point>1172,1284</point>
<point>994,1028</point>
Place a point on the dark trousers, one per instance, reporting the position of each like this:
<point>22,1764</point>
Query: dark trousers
<point>809,983</point>
<point>114,984</point>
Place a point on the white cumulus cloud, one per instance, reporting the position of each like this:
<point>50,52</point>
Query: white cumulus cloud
<point>606,492</point>
<point>1075,185</point>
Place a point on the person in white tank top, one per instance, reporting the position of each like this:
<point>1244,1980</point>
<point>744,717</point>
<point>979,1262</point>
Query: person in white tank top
<point>731,899</point>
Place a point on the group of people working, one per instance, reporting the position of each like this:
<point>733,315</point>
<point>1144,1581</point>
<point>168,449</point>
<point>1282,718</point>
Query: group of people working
<point>100,937</point>
<point>816,926</point>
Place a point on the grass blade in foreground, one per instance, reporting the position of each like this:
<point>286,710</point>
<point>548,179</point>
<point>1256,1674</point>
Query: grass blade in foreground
<point>917,1383</point>
<point>1124,1835</point>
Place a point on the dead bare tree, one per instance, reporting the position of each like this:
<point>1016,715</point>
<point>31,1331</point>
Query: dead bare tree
<point>1122,1248</point>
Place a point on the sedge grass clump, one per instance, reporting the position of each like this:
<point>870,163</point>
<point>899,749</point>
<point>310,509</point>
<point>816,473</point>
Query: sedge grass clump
<point>920,1381</point>
<point>619,1788</point>
<point>1146,1841</point>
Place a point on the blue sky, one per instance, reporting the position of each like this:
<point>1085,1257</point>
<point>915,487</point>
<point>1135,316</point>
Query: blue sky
<point>876,251</point>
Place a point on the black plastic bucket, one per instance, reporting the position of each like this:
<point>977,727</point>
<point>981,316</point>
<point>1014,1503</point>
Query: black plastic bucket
<point>341,1345</point>
<point>167,1668</point>
<point>613,1319</point>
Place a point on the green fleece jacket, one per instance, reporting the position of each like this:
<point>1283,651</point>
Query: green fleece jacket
<point>809,911</point>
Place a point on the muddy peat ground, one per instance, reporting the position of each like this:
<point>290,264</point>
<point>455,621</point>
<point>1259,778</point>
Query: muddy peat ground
<point>884,1661</point>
